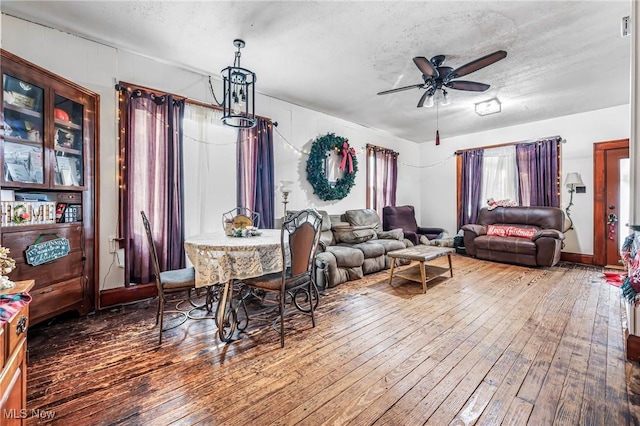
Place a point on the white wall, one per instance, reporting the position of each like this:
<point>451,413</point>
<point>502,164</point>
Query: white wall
<point>98,67</point>
<point>580,131</point>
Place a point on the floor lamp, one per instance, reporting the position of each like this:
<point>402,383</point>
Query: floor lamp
<point>572,181</point>
<point>285,188</point>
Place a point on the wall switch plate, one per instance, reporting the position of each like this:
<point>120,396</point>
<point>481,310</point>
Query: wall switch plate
<point>625,28</point>
<point>113,244</point>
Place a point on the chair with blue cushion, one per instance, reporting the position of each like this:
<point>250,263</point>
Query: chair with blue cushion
<point>168,282</point>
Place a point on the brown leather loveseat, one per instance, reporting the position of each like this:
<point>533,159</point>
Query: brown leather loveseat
<point>525,235</point>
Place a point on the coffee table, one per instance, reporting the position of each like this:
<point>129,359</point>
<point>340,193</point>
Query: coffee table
<point>421,253</point>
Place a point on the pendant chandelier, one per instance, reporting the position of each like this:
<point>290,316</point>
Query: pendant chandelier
<point>238,105</point>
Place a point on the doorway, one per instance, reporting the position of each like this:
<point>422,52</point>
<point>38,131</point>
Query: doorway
<point>611,200</point>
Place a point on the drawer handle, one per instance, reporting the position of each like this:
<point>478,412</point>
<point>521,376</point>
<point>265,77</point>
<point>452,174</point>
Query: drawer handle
<point>21,327</point>
<point>49,290</point>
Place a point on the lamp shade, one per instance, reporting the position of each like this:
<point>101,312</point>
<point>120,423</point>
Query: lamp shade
<point>572,180</point>
<point>286,186</point>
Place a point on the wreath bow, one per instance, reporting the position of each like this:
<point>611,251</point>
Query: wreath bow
<point>347,155</point>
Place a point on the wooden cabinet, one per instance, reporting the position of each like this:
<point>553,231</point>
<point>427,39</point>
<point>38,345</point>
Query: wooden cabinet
<point>13,378</point>
<point>48,152</point>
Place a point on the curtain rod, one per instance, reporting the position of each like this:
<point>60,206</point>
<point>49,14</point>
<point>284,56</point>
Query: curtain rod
<point>126,86</point>
<point>381,148</point>
<point>460,151</point>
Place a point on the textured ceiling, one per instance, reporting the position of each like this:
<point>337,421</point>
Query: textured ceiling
<point>564,57</point>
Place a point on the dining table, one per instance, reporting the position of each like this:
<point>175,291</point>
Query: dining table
<point>220,260</point>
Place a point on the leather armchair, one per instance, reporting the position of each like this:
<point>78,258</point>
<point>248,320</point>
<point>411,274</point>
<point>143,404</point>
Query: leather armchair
<point>404,217</point>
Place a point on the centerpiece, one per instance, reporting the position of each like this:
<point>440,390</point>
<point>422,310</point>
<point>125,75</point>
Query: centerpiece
<point>247,231</point>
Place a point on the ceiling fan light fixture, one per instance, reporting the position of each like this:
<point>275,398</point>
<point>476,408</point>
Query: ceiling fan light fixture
<point>445,98</point>
<point>429,101</point>
<point>488,107</point>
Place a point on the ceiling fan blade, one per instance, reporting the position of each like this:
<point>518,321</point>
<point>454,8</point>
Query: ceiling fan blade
<point>425,66</point>
<point>400,89</point>
<point>422,99</point>
<point>467,85</point>
<point>478,64</point>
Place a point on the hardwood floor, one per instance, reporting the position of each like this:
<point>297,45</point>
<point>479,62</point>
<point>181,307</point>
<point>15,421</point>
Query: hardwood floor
<point>495,344</point>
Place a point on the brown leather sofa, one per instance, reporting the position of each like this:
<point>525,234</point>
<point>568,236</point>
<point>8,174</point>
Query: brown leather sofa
<point>543,249</point>
<point>353,245</point>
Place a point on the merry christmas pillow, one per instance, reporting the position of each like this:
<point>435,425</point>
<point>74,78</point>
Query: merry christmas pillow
<point>510,231</point>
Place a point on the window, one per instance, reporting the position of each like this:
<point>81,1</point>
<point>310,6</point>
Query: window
<point>500,174</point>
<point>209,152</point>
<point>528,173</point>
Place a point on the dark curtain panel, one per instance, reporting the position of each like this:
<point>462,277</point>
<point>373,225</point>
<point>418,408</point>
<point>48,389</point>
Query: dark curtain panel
<point>153,183</point>
<point>255,177</point>
<point>175,193</point>
<point>539,173</point>
<point>382,177</point>
<point>471,186</point>
<point>525,155</point>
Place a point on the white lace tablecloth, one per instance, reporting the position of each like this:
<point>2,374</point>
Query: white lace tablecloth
<point>218,258</point>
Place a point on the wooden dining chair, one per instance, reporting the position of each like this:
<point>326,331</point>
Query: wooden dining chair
<point>299,238</point>
<point>168,282</point>
<point>241,217</point>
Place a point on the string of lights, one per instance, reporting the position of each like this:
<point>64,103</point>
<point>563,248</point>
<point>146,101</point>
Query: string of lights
<point>427,166</point>
<point>283,140</point>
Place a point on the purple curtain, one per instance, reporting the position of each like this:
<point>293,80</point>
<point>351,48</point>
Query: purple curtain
<point>471,186</point>
<point>153,183</point>
<point>525,154</point>
<point>255,177</point>
<point>383,173</point>
<point>538,172</point>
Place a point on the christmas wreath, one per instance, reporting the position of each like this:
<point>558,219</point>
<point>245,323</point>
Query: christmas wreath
<point>316,167</point>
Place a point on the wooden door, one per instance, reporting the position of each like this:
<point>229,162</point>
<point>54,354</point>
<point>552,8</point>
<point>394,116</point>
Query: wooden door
<point>608,231</point>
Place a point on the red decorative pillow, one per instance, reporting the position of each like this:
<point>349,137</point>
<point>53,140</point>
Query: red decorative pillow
<point>510,231</point>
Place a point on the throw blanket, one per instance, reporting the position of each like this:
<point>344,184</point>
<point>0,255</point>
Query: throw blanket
<point>500,203</point>
<point>630,253</point>
<point>10,304</point>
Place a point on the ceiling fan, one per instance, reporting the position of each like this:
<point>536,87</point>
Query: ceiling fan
<point>436,76</point>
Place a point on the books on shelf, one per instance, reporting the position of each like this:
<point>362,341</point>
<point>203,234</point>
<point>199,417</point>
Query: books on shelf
<point>60,208</point>
<point>66,213</point>
<point>68,170</point>
<point>35,166</point>
<point>18,172</point>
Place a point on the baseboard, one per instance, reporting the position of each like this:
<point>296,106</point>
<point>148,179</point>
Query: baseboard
<point>633,348</point>
<point>585,259</point>
<point>120,295</point>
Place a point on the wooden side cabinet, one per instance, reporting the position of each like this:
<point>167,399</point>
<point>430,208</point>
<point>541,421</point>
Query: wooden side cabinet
<point>13,360</point>
<point>49,178</point>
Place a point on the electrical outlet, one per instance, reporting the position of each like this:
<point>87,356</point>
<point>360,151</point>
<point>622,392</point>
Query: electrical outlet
<point>113,244</point>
